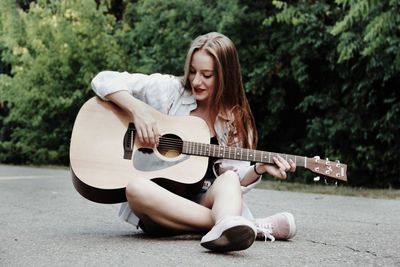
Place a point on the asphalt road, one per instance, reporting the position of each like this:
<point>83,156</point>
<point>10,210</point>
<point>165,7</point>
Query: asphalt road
<point>45,222</point>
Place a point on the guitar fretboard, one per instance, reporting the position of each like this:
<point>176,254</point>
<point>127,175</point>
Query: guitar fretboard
<point>217,151</point>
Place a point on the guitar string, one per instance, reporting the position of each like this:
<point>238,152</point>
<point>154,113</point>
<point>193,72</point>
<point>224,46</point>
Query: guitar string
<point>166,142</point>
<point>172,143</point>
<point>177,144</point>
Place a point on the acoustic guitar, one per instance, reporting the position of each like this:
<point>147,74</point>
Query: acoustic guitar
<point>105,156</point>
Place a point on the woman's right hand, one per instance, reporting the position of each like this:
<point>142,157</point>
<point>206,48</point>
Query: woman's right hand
<point>146,127</point>
<point>145,123</point>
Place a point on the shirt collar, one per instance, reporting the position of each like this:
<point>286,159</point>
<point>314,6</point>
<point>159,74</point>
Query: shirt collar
<point>188,99</point>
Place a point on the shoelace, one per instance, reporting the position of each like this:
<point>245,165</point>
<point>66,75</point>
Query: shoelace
<point>266,231</point>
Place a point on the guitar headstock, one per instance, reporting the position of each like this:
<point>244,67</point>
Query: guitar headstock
<point>334,170</point>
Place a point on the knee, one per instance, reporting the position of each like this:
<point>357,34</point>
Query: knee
<point>230,178</point>
<point>136,192</point>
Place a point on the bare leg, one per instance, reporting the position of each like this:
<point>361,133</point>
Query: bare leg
<point>150,201</point>
<point>224,197</point>
<point>231,231</point>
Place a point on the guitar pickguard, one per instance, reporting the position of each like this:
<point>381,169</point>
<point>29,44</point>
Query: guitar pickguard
<point>146,160</point>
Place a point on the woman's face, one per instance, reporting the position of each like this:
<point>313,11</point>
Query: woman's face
<point>202,75</point>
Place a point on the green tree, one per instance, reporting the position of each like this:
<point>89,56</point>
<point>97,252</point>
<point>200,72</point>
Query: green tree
<point>156,34</point>
<point>344,60</point>
<point>321,76</point>
<point>54,49</point>
<point>369,45</point>
<point>293,51</point>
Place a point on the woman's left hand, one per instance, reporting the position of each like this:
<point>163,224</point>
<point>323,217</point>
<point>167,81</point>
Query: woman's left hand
<point>280,169</point>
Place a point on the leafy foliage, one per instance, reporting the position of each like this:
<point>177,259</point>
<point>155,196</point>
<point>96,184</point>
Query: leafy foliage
<point>347,83</point>
<point>322,76</point>
<point>369,44</point>
<point>54,50</point>
<point>156,34</point>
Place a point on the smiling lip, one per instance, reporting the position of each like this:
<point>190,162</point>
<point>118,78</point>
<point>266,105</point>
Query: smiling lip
<point>198,90</point>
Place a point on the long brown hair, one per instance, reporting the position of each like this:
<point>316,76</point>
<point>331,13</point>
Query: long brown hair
<point>229,95</point>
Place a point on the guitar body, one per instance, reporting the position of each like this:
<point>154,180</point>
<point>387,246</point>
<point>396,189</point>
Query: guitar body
<point>101,166</point>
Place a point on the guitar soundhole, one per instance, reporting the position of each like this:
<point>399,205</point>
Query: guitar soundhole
<point>170,146</point>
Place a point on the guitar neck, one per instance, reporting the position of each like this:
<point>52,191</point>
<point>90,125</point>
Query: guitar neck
<point>236,153</point>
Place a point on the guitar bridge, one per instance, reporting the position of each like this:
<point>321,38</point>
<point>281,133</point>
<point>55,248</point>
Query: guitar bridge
<point>129,140</point>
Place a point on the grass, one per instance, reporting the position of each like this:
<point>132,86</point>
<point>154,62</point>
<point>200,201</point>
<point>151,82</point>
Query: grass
<point>329,189</point>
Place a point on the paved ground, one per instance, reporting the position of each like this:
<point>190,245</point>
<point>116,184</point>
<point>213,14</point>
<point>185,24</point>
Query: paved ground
<point>45,222</point>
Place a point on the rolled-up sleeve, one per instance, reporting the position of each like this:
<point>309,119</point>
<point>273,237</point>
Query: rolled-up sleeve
<point>157,90</point>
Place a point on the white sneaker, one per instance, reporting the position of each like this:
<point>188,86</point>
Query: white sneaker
<point>230,234</point>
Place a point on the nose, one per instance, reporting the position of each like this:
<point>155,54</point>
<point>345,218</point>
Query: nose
<point>196,80</point>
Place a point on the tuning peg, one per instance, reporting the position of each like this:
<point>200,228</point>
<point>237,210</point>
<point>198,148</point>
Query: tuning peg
<point>317,178</point>
<point>338,163</point>
<point>317,157</point>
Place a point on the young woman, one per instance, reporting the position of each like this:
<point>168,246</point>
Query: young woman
<point>211,89</point>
